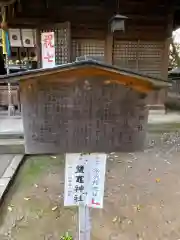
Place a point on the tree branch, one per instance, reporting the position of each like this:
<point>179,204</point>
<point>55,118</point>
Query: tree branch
<point>175,52</point>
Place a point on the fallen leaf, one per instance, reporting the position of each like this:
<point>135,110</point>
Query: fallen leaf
<point>45,189</point>
<point>130,222</point>
<point>115,219</point>
<point>20,219</point>
<point>26,198</point>
<point>14,225</point>
<point>54,208</point>
<point>158,180</point>
<point>138,208</point>
<point>129,161</point>
<point>168,222</point>
<point>139,237</point>
<point>10,209</point>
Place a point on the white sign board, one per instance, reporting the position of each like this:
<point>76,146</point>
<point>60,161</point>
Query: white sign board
<point>15,37</point>
<point>28,37</point>
<point>48,49</point>
<point>84,179</point>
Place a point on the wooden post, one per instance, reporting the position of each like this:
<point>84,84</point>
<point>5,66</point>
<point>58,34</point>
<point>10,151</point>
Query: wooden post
<point>69,41</point>
<point>165,63</point>
<point>109,48</point>
<point>18,100</point>
<point>163,93</point>
<point>84,222</point>
<point>38,48</point>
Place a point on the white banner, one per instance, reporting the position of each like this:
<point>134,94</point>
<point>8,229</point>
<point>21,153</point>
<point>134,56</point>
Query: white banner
<point>48,49</point>
<point>84,179</point>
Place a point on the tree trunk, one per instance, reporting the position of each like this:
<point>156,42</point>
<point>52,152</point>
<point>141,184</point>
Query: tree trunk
<point>175,52</point>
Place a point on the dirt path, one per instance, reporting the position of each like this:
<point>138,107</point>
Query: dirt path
<point>142,197</point>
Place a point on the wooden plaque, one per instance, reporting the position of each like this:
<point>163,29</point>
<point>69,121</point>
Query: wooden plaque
<point>88,115</point>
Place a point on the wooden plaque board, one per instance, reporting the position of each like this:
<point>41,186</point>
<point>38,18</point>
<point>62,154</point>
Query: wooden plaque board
<point>87,115</point>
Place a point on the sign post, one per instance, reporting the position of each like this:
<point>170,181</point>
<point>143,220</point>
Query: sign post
<point>84,186</point>
<point>84,222</point>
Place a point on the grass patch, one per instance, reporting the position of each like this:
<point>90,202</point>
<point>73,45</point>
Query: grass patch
<point>42,204</point>
<point>35,166</point>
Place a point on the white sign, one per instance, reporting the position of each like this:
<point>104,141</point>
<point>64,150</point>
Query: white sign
<point>15,37</point>
<point>28,37</point>
<point>84,179</point>
<point>48,49</point>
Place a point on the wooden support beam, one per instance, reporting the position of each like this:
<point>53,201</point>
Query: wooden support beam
<point>109,48</point>
<point>165,62</point>
<point>99,14</point>
<point>28,22</point>
<point>38,47</point>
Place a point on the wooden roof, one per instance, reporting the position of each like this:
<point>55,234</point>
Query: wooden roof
<point>90,68</point>
<point>7,2</point>
<point>40,11</point>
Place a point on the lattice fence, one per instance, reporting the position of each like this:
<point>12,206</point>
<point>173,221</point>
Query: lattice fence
<point>142,56</point>
<point>150,58</point>
<point>62,41</point>
<point>125,54</point>
<point>87,47</point>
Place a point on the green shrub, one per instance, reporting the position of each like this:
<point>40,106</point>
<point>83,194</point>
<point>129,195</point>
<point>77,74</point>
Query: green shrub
<point>172,106</point>
<point>66,237</point>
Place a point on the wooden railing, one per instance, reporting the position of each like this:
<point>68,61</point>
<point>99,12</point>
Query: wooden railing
<point>4,99</point>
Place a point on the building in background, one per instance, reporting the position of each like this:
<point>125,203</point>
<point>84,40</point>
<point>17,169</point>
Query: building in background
<point>22,57</point>
<point>23,48</point>
<point>82,28</point>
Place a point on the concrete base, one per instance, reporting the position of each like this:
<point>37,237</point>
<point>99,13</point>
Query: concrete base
<point>9,173</point>
<point>157,112</point>
<point>11,125</point>
<point>12,146</point>
<point>157,109</point>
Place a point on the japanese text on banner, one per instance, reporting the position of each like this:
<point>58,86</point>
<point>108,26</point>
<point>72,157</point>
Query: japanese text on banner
<point>48,49</point>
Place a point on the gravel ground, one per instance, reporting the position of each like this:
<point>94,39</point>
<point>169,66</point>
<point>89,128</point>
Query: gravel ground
<point>142,197</point>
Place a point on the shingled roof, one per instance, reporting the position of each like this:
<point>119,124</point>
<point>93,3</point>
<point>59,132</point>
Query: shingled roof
<point>96,69</point>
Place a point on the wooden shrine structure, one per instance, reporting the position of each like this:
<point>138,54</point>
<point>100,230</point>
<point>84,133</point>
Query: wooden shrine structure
<point>84,106</point>
<point>81,28</point>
